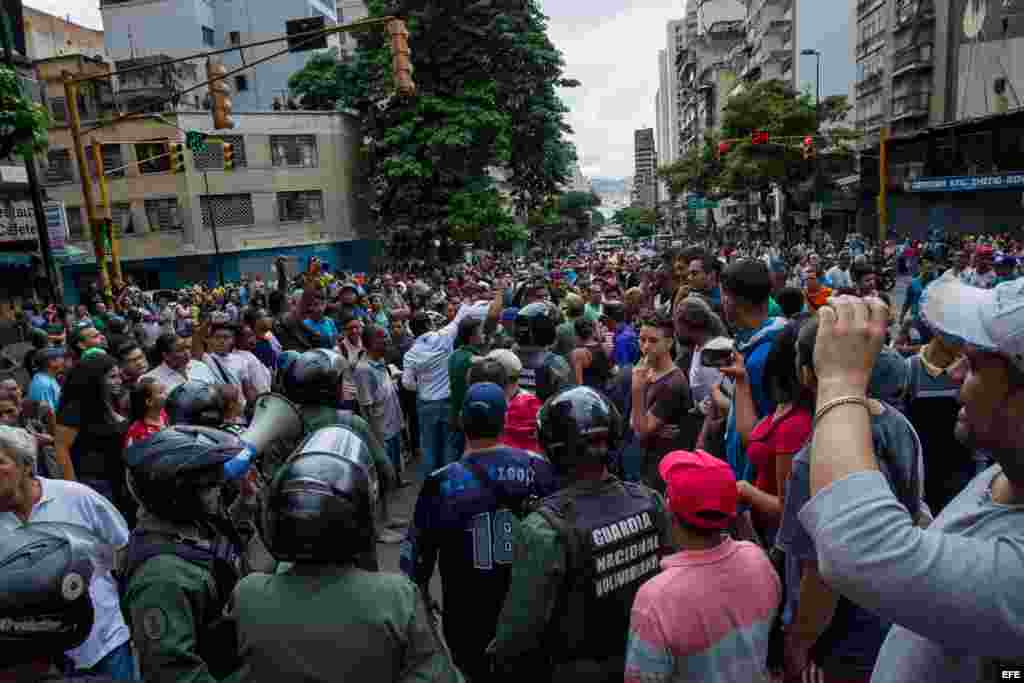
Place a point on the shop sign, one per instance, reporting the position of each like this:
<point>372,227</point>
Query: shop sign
<point>969,183</point>
<point>18,223</point>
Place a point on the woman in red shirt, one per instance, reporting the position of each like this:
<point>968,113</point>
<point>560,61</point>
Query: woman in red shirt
<point>147,410</point>
<point>777,437</point>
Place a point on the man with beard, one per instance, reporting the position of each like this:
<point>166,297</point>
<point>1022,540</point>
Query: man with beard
<point>952,590</point>
<point>177,366</point>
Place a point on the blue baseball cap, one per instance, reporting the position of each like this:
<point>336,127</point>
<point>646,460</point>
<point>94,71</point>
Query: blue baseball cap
<point>483,410</point>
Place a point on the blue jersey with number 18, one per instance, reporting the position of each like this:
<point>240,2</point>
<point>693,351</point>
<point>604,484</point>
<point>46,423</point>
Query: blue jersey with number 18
<point>465,525</point>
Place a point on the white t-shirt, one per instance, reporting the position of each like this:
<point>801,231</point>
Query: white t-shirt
<point>702,379</point>
<point>73,503</point>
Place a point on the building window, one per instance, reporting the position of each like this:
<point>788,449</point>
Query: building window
<point>153,157</point>
<point>293,207</point>
<point>235,37</point>
<point>76,226</point>
<point>208,36</point>
<point>241,83</point>
<point>163,214</point>
<point>293,150</point>
<point>59,109</point>
<point>59,167</point>
<point>227,210</point>
<point>121,217</point>
<point>113,158</point>
<point>212,159</point>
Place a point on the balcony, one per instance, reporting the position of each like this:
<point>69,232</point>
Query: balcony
<point>911,105</point>
<point>865,6</point>
<point>910,11</point>
<point>912,58</point>
<point>783,27</point>
<point>870,83</point>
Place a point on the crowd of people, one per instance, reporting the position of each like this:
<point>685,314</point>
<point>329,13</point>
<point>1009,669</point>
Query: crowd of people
<point>711,464</point>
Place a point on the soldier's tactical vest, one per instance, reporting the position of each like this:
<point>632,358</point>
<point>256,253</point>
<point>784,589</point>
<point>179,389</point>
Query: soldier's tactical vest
<point>613,540</point>
<point>531,360</point>
<point>217,642</point>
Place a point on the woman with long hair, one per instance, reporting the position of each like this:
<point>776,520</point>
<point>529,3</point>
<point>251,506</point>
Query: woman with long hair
<point>776,438</point>
<point>90,432</point>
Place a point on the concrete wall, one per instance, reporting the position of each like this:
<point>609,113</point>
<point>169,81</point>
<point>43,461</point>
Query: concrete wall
<point>145,28</point>
<point>257,21</point>
<point>49,36</point>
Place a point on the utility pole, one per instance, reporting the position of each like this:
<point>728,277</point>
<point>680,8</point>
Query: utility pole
<point>42,232</point>
<point>107,217</point>
<point>883,187</point>
<point>75,123</point>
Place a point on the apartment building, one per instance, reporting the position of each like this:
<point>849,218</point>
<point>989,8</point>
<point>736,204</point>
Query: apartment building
<point>645,186</point>
<point>295,191</point>
<point>49,36</point>
<point>768,51</point>
<point>904,60</point>
<point>158,29</point>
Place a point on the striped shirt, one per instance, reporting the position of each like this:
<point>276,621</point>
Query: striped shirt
<point>706,617</point>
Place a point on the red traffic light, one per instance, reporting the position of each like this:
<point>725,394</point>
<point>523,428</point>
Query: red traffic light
<point>760,137</point>
<point>723,147</point>
<point>808,141</point>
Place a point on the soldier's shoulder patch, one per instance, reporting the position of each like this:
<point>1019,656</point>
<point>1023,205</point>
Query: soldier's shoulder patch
<point>154,623</point>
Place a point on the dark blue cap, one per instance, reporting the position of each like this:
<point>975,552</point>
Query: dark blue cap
<point>483,410</point>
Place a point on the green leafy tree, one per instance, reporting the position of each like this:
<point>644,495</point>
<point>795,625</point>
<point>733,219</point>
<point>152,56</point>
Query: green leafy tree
<point>23,123</point>
<point>636,221</point>
<point>486,74</point>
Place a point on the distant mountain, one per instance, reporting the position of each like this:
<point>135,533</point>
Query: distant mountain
<point>608,185</point>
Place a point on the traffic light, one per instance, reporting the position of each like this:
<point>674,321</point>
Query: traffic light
<point>219,95</point>
<point>229,156</point>
<point>177,158</point>
<point>808,148</point>
<point>401,67</point>
<point>723,149</point>
<point>759,137</point>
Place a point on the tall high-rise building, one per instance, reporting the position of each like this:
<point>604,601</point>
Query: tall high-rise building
<point>705,72</point>
<point>645,188</point>
<point>769,50</point>
<point>904,57</point>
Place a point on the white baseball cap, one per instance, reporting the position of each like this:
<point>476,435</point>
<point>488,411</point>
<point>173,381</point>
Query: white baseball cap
<point>989,319</point>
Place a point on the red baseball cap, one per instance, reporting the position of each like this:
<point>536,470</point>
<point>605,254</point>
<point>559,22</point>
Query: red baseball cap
<point>701,489</point>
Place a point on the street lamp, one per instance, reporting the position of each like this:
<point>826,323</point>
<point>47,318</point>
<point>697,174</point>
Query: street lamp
<point>817,86</point>
<point>817,126</point>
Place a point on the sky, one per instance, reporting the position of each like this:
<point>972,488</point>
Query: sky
<point>611,47</point>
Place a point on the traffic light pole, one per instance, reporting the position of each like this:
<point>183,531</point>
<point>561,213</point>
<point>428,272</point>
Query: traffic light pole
<point>74,123</point>
<point>105,209</point>
<point>213,229</point>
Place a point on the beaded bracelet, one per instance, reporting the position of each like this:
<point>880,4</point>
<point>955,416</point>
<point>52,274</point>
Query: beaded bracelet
<point>841,401</point>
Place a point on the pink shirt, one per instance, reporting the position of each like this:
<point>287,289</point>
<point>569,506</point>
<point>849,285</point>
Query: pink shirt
<point>705,617</point>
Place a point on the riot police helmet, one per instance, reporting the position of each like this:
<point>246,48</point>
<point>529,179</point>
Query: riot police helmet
<point>313,378</point>
<point>45,572</point>
<point>553,374</point>
<point>578,426</point>
<point>321,504</point>
<point>178,473</point>
<point>195,403</point>
<point>536,325</point>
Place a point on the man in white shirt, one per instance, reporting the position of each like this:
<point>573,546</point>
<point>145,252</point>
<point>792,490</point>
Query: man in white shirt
<point>838,276</point>
<point>177,365</point>
<point>425,371</point>
<point>26,498</point>
<point>227,366</point>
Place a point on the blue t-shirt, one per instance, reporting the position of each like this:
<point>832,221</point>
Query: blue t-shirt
<point>755,348</point>
<point>461,523</point>
<point>914,292</point>
<point>44,389</point>
<point>327,330</point>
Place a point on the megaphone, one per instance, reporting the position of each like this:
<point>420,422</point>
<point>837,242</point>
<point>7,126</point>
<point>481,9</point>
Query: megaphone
<point>275,420</point>
<point>342,442</point>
